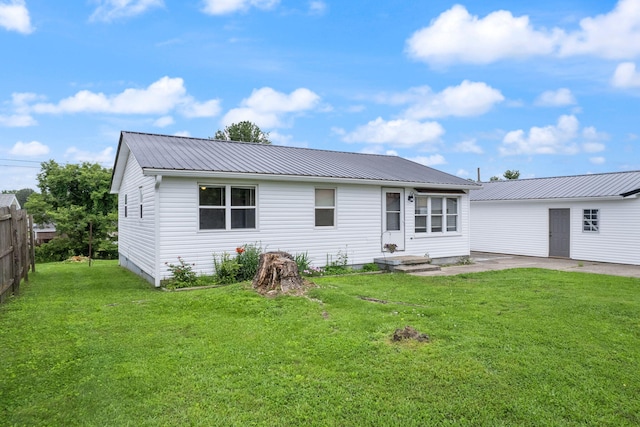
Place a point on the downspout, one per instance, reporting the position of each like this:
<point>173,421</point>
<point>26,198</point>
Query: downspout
<point>156,221</point>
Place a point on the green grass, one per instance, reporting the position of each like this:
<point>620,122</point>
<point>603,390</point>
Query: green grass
<point>95,346</point>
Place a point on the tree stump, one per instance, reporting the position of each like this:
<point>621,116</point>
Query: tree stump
<point>277,273</point>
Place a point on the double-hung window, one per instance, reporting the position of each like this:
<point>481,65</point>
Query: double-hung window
<point>590,220</point>
<point>325,207</point>
<point>224,207</point>
<point>436,214</point>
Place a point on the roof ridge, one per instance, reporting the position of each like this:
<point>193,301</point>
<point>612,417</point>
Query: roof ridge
<point>561,176</point>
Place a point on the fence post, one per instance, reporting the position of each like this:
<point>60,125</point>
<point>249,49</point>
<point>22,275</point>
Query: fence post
<point>32,245</point>
<point>17,276</point>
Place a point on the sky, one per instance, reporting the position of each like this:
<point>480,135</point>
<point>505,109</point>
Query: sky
<point>548,88</point>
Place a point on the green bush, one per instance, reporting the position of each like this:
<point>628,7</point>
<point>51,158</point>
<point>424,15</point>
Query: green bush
<point>183,274</point>
<point>248,259</point>
<point>372,266</point>
<point>302,261</point>
<point>226,268</point>
<point>57,249</point>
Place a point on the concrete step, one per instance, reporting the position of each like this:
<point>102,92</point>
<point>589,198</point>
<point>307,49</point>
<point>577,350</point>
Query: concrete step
<point>415,268</point>
<point>401,260</point>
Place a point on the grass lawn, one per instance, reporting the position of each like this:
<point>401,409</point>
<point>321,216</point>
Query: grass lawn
<point>95,346</point>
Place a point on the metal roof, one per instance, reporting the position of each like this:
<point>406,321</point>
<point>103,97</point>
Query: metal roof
<point>175,153</point>
<point>8,200</point>
<point>563,187</point>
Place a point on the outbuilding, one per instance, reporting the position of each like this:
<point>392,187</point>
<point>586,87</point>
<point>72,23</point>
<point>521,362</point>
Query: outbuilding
<point>586,217</point>
<point>190,198</point>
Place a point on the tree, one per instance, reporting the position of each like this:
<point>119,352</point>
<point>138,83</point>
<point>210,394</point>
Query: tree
<point>494,178</point>
<point>243,131</point>
<point>511,174</point>
<point>22,195</point>
<point>76,199</point>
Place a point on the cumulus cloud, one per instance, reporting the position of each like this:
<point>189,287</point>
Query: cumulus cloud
<point>597,160</point>
<point>626,76</point>
<point>556,98</point>
<point>164,121</point>
<point>469,146</point>
<point>109,10</point>
<point>401,132</point>
<point>456,36</point>
<point>17,120</point>
<point>317,7</point>
<point>14,16</point>
<point>268,108</point>
<point>29,149</point>
<point>104,156</point>
<point>561,138</point>
<point>433,160</point>
<point>161,97</point>
<point>223,7</point>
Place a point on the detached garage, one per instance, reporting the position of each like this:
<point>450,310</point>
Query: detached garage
<point>586,217</point>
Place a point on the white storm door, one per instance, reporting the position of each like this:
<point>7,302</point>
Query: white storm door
<point>392,219</point>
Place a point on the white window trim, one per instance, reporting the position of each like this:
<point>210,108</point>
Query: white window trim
<point>444,232</point>
<point>227,207</point>
<point>335,209</point>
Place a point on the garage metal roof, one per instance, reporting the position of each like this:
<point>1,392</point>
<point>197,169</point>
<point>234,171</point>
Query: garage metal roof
<point>175,153</point>
<point>613,184</point>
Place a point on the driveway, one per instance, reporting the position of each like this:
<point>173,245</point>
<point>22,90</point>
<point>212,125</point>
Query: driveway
<point>483,261</point>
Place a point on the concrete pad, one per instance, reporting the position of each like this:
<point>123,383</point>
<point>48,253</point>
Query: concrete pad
<point>483,261</point>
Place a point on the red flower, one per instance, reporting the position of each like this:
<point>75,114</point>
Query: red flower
<point>239,250</point>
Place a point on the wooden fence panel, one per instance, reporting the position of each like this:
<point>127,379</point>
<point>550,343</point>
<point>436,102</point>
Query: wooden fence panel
<point>14,250</point>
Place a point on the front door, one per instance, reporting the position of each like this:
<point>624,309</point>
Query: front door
<point>559,233</point>
<point>392,219</point>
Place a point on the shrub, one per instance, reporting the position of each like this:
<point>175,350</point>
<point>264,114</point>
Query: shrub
<point>226,268</point>
<point>248,259</point>
<point>372,266</point>
<point>337,266</point>
<point>57,249</point>
<point>182,273</point>
<point>302,261</point>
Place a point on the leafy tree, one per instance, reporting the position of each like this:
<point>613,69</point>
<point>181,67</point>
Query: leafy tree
<point>494,178</point>
<point>511,174</point>
<point>243,131</point>
<point>22,195</point>
<point>75,198</point>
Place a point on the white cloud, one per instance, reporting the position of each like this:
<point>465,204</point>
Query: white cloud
<point>14,16</point>
<point>597,160</point>
<point>160,97</point>
<point>104,156</point>
<point>466,99</point>
<point>109,10</point>
<point>614,35</point>
<point>402,132</point>
<point>164,121</point>
<point>462,173</point>
<point>17,120</point>
<point>223,7</point>
<point>469,146</point>
<point>556,98</point>
<point>268,108</point>
<point>183,133</point>
<point>29,149</point>
<point>561,138</point>
<point>457,36</point>
<point>317,7</point>
<point>626,76</point>
<point>433,160</point>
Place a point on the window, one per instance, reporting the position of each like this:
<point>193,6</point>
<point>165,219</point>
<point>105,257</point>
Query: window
<point>436,214</point>
<point>325,207</point>
<point>140,198</point>
<point>126,208</point>
<point>590,220</point>
<point>220,212</point>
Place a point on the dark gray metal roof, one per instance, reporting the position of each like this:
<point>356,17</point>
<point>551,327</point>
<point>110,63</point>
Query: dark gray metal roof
<point>563,187</point>
<point>175,153</point>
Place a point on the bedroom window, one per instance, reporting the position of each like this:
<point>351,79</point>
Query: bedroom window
<point>140,199</point>
<point>224,207</point>
<point>126,207</point>
<point>325,207</point>
<point>436,214</point>
<point>590,220</point>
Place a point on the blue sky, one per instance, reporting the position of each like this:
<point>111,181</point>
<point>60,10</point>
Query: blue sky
<point>548,88</point>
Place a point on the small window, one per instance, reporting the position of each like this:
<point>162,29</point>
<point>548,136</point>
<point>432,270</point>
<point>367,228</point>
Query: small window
<point>436,214</point>
<point>212,208</point>
<point>590,220</point>
<point>243,207</point>
<point>126,208</point>
<point>141,201</point>
<point>325,207</point>
<point>227,207</point>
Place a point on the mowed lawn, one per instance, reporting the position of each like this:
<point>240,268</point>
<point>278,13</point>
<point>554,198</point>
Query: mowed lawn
<point>96,346</point>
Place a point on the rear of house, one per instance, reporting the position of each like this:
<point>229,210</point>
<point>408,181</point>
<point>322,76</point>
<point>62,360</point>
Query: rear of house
<point>586,217</point>
<point>191,198</point>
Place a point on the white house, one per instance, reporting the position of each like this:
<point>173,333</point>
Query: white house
<point>193,197</point>
<point>586,217</point>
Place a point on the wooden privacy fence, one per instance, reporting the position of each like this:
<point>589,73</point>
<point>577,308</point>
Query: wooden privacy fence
<point>15,240</point>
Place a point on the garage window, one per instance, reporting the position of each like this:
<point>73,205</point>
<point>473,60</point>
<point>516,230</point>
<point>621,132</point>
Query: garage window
<point>591,220</point>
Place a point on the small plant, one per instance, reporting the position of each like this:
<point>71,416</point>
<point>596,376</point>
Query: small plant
<point>248,259</point>
<point>182,273</point>
<point>302,261</point>
<point>337,266</point>
<point>465,260</point>
<point>391,247</point>
<point>313,271</point>
<point>226,268</point>
<point>372,266</point>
